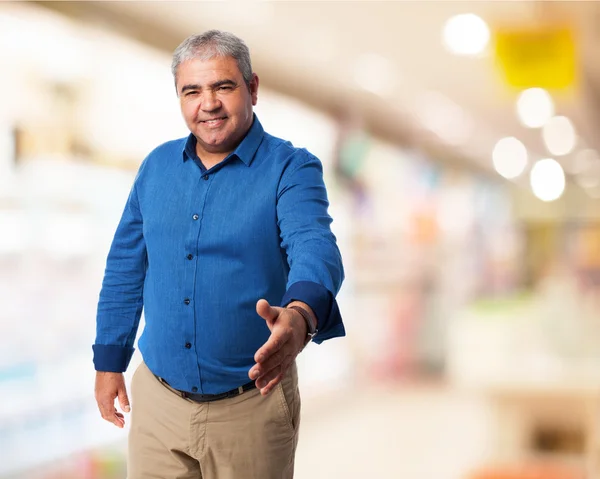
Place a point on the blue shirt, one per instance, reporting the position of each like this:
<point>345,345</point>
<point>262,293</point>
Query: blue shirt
<point>197,248</point>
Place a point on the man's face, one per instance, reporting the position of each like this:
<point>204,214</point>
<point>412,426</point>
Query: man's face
<point>215,102</point>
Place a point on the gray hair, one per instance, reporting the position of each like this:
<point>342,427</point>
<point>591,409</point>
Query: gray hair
<point>210,44</point>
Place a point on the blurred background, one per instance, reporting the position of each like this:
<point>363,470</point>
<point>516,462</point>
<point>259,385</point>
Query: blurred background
<point>460,148</point>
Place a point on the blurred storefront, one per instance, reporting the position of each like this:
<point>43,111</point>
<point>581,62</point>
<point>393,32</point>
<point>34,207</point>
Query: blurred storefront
<point>457,277</point>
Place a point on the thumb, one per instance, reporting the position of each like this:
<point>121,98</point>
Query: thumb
<point>123,399</point>
<point>266,311</point>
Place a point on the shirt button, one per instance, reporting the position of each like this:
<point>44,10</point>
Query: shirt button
<point>188,345</point>
<point>194,389</point>
<point>195,217</point>
<point>186,301</point>
<point>190,256</point>
<point>205,177</point>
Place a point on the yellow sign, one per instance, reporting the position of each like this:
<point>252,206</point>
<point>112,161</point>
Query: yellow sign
<point>537,57</point>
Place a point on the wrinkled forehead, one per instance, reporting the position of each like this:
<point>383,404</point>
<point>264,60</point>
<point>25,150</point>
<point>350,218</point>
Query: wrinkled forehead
<point>209,55</point>
<point>205,71</point>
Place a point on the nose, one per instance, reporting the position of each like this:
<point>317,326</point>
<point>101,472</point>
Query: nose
<point>210,101</point>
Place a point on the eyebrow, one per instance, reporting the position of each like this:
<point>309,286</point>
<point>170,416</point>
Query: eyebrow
<point>212,86</point>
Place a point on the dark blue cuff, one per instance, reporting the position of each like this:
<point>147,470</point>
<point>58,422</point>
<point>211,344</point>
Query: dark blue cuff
<point>323,304</point>
<point>111,358</point>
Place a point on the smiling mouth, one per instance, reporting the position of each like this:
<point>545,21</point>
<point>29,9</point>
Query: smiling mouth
<point>213,121</point>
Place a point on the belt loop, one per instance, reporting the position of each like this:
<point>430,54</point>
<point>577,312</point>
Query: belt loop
<point>240,390</point>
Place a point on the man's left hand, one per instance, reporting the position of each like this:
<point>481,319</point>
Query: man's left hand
<point>288,333</point>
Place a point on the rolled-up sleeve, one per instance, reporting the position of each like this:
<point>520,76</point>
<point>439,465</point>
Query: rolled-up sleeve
<point>316,271</point>
<point>121,297</point>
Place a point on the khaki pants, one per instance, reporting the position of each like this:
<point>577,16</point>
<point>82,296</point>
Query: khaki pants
<point>245,437</point>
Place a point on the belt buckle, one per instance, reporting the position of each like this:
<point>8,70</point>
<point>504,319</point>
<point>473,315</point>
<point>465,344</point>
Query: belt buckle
<point>233,393</point>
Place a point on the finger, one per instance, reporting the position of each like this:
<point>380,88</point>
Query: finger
<point>266,311</point>
<point>109,413</point>
<point>271,384</point>
<point>119,422</point>
<point>268,376</point>
<point>281,359</point>
<point>271,362</point>
<point>276,341</point>
<point>124,400</point>
<point>114,417</point>
<point>118,419</point>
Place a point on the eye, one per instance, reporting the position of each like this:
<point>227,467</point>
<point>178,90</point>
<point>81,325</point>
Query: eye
<point>225,88</point>
<point>191,93</point>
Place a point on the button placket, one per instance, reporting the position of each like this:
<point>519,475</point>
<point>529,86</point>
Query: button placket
<point>187,301</point>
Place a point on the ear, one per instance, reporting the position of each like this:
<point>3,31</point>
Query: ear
<point>253,87</point>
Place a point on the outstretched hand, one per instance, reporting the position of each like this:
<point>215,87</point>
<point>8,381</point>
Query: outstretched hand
<point>288,333</point>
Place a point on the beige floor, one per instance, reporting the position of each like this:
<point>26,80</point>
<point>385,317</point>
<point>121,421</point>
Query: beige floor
<point>412,432</point>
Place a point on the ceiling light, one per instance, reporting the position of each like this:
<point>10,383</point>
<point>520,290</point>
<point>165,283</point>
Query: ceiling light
<point>509,157</point>
<point>535,107</point>
<point>547,180</point>
<point>559,135</point>
<point>465,34</point>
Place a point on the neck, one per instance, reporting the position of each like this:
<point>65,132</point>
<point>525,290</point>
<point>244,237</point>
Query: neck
<point>211,159</point>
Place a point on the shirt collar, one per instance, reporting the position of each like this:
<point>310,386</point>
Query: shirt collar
<point>245,151</point>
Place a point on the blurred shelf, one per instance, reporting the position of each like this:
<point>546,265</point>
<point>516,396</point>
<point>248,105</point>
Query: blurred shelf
<point>50,415</point>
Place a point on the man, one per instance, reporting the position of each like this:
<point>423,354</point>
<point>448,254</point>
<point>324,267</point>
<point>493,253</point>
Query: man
<point>225,243</point>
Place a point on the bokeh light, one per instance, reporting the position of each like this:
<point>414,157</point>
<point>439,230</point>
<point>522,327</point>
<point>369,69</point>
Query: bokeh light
<point>535,107</point>
<point>547,179</point>
<point>509,157</point>
<point>559,135</point>
<point>465,34</point>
